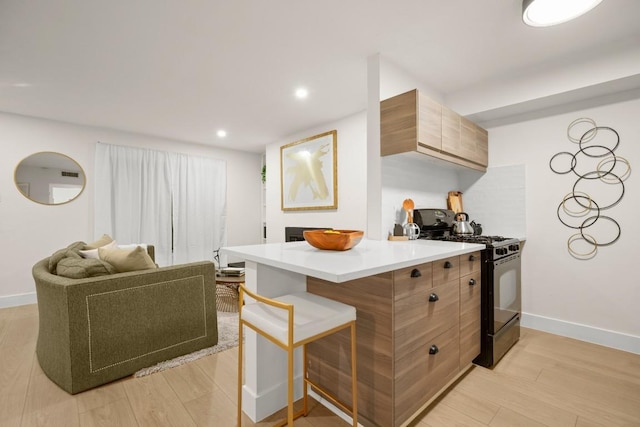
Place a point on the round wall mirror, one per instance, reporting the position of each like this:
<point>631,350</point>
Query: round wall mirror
<point>49,178</point>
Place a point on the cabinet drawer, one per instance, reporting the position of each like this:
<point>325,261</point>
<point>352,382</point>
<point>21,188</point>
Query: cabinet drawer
<point>413,278</point>
<point>443,313</point>
<point>469,291</point>
<point>446,270</point>
<point>469,263</point>
<point>442,363</point>
<point>420,375</point>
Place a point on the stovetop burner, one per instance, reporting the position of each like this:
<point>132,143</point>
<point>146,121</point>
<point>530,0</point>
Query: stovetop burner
<point>437,224</point>
<point>484,240</point>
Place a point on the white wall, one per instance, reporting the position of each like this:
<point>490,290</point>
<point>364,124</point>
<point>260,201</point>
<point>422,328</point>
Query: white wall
<point>413,177</point>
<point>31,231</point>
<point>597,299</point>
<point>351,212</point>
<point>497,200</point>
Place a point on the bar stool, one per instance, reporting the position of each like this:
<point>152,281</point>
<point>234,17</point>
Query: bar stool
<point>294,320</point>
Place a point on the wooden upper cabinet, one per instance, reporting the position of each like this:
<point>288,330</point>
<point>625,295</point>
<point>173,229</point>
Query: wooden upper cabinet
<point>411,122</point>
<point>451,132</point>
<point>408,120</point>
<point>474,142</point>
<point>429,123</point>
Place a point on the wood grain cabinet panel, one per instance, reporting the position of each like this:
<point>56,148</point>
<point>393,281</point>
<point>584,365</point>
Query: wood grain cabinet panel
<point>469,263</point>
<point>411,122</point>
<point>399,124</point>
<point>400,316</point>
<point>328,365</point>
<point>446,270</point>
<point>469,318</point>
<point>408,121</point>
<point>473,142</point>
<point>429,123</point>
<point>450,131</point>
<point>411,278</point>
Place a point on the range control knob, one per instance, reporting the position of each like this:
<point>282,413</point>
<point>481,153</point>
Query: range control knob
<point>501,251</point>
<point>514,248</point>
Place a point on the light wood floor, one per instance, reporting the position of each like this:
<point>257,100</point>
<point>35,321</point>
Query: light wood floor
<point>545,380</point>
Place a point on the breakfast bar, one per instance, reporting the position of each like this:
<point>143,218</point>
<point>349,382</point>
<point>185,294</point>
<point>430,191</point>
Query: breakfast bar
<point>394,286</point>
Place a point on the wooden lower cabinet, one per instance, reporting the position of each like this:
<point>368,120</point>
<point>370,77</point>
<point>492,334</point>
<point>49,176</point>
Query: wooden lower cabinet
<point>401,317</point>
<point>469,318</point>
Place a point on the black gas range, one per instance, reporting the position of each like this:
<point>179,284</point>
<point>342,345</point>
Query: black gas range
<point>500,288</point>
<point>500,246</point>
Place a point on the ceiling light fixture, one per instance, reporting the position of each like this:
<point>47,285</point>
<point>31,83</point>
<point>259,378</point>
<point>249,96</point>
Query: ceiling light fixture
<point>302,93</point>
<point>221,133</point>
<point>544,13</point>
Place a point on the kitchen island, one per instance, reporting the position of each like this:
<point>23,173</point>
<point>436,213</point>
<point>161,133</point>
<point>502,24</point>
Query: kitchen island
<point>407,295</point>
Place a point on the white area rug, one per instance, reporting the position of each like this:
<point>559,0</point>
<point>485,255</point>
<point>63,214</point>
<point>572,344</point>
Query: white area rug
<point>227,338</point>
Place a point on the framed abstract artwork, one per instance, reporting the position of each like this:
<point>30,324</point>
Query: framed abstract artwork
<point>308,173</point>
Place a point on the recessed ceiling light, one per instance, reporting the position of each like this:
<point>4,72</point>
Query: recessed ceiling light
<point>221,133</point>
<point>302,93</point>
<point>544,13</point>
<point>21,84</point>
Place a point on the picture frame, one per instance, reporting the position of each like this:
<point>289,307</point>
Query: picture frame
<point>308,173</point>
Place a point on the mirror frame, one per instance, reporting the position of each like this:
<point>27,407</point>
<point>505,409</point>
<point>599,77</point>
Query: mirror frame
<point>20,190</point>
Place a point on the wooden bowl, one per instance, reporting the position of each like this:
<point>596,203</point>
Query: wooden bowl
<point>333,240</point>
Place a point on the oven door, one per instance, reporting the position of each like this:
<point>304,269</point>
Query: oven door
<point>506,291</point>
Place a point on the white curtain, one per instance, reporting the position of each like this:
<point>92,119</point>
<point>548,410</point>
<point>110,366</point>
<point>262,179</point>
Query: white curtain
<point>199,207</point>
<point>173,201</point>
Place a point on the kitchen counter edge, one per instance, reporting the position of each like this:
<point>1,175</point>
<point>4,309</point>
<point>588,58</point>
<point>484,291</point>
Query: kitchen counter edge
<point>369,258</point>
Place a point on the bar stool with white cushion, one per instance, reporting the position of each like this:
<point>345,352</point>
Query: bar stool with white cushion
<point>294,320</point>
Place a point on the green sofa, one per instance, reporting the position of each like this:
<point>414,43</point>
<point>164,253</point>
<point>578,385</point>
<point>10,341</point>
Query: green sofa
<point>97,329</point>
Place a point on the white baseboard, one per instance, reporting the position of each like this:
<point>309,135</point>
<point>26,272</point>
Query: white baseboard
<point>16,300</point>
<point>590,334</point>
<point>330,406</point>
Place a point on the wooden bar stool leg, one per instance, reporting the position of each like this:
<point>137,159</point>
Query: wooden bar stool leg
<point>290,386</point>
<point>240,360</point>
<point>305,392</point>
<point>354,379</point>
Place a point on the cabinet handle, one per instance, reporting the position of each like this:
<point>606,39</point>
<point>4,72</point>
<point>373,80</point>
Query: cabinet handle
<point>415,273</point>
<point>472,258</point>
<point>433,297</point>
<point>448,264</point>
<point>433,349</point>
<point>472,282</point>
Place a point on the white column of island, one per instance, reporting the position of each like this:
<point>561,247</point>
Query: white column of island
<point>279,268</point>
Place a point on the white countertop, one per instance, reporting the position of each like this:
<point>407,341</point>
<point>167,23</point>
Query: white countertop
<point>369,257</point>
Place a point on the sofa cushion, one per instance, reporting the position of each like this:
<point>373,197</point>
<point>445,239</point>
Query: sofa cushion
<point>70,251</point>
<point>104,240</point>
<point>81,268</point>
<point>127,259</point>
<point>93,253</point>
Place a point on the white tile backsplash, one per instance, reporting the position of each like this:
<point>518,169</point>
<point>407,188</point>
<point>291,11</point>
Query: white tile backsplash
<point>497,200</point>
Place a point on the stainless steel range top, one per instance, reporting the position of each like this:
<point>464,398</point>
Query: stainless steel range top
<point>437,224</point>
<point>501,246</point>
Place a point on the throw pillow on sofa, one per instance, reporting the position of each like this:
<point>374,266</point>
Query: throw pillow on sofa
<point>81,268</point>
<point>93,253</point>
<point>104,240</point>
<point>127,259</point>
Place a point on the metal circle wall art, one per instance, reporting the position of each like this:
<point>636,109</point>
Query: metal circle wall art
<point>595,163</point>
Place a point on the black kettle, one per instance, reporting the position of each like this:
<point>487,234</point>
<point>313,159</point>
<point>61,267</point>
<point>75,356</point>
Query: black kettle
<point>477,228</point>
